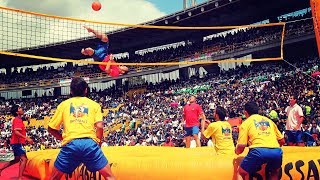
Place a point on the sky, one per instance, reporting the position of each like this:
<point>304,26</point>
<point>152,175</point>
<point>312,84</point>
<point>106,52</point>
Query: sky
<point>171,6</point>
<point>19,31</point>
<point>115,10</point>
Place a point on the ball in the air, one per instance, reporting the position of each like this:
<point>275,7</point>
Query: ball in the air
<point>96,6</point>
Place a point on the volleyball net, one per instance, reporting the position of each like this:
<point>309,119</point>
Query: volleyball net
<point>23,30</point>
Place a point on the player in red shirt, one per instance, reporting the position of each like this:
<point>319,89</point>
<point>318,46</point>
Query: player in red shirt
<point>191,114</point>
<point>100,53</point>
<point>18,139</point>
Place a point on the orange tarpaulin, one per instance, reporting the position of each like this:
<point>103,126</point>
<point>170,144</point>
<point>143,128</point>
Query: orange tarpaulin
<point>315,7</point>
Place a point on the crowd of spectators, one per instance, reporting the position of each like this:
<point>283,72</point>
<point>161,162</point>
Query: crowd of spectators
<point>159,111</point>
<point>155,116</point>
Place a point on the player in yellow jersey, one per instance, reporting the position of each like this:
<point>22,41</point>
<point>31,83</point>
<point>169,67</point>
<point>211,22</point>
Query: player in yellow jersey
<point>264,140</point>
<point>82,133</point>
<point>220,132</point>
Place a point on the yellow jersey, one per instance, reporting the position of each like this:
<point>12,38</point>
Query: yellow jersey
<point>78,116</point>
<point>27,148</point>
<point>221,134</point>
<point>259,131</point>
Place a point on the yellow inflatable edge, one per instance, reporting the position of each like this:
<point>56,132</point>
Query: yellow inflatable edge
<point>155,163</point>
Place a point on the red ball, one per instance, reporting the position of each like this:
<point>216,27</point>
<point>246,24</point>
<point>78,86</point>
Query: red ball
<point>96,6</point>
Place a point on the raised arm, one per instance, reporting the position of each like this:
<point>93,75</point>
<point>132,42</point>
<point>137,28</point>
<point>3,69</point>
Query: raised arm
<point>55,133</point>
<point>102,36</point>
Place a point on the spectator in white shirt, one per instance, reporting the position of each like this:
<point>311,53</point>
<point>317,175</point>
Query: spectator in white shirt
<point>294,120</point>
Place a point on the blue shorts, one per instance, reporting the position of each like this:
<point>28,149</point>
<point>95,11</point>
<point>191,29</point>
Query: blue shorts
<point>258,156</point>
<point>294,136</point>
<point>84,150</point>
<point>190,131</point>
<point>18,149</point>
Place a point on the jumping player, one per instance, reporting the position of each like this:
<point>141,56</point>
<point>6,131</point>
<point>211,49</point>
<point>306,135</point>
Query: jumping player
<point>100,53</point>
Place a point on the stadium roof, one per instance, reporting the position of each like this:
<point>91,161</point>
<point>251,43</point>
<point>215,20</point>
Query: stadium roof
<point>211,13</point>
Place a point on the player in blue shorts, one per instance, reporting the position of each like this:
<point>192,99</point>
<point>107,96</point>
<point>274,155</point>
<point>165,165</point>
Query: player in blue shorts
<point>264,140</point>
<point>100,54</point>
<point>82,133</point>
<point>294,122</point>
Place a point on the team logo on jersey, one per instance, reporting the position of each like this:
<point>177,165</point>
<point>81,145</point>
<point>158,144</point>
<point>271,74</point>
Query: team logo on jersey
<point>226,131</point>
<point>263,124</point>
<point>78,111</point>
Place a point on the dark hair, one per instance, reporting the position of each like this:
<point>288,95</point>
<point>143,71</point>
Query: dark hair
<point>14,110</point>
<point>251,108</point>
<point>192,96</point>
<point>221,113</point>
<point>295,97</point>
<point>78,86</point>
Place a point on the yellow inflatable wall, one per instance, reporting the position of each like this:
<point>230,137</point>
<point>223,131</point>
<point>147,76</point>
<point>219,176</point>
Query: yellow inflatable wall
<point>153,163</point>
